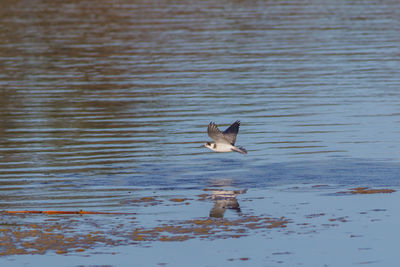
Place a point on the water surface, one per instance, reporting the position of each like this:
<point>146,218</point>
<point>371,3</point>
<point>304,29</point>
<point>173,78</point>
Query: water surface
<point>100,100</point>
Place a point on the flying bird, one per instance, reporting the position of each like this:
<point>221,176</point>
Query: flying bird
<point>224,141</point>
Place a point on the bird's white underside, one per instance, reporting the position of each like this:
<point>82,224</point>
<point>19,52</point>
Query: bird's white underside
<point>222,147</point>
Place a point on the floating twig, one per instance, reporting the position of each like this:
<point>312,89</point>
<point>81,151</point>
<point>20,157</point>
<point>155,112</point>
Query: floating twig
<point>64,212</point>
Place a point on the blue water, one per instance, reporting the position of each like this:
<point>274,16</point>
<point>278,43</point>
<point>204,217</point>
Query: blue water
<point>98,101</point>
<point>124,96</point>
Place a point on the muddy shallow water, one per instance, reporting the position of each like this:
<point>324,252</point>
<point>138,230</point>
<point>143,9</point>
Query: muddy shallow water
<point>103,108</point>
<point>285,225</point>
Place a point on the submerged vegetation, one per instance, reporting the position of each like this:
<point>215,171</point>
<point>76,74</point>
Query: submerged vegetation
<point>366,190</point>
<point>40,232</point>
<point>63,235</point>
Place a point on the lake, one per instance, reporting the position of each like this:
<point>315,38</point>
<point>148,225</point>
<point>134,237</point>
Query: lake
<point>104,104</point>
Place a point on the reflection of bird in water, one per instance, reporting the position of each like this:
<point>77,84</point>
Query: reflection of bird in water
<point>224,141</point>
<point>225,199</point>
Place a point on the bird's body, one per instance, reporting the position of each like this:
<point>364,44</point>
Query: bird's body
<point>220,147</point>
<point>224,141</point>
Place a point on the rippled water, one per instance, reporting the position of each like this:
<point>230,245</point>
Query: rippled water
<point>98,99</point>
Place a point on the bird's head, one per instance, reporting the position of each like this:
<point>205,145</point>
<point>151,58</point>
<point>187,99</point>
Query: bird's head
<point>208,144</point>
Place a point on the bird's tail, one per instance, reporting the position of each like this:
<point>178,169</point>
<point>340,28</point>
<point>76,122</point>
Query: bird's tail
<point>239,149</point>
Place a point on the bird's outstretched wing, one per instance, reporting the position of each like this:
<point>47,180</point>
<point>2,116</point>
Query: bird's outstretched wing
<point>216,134</point>
<point>231,133</point>
<point>227,137</point>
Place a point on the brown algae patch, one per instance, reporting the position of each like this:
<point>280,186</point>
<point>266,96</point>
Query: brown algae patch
<point>178,200</point>
<point>207,228</point>
<point>339,219</point>
<point>367,190</point>
<point>63,233</point>
<point>241,259</point>
<point>315,215</point>
<point>143,201</point>
<point>42,238</point>
<point>203,197</point>
<point>67,235</point>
